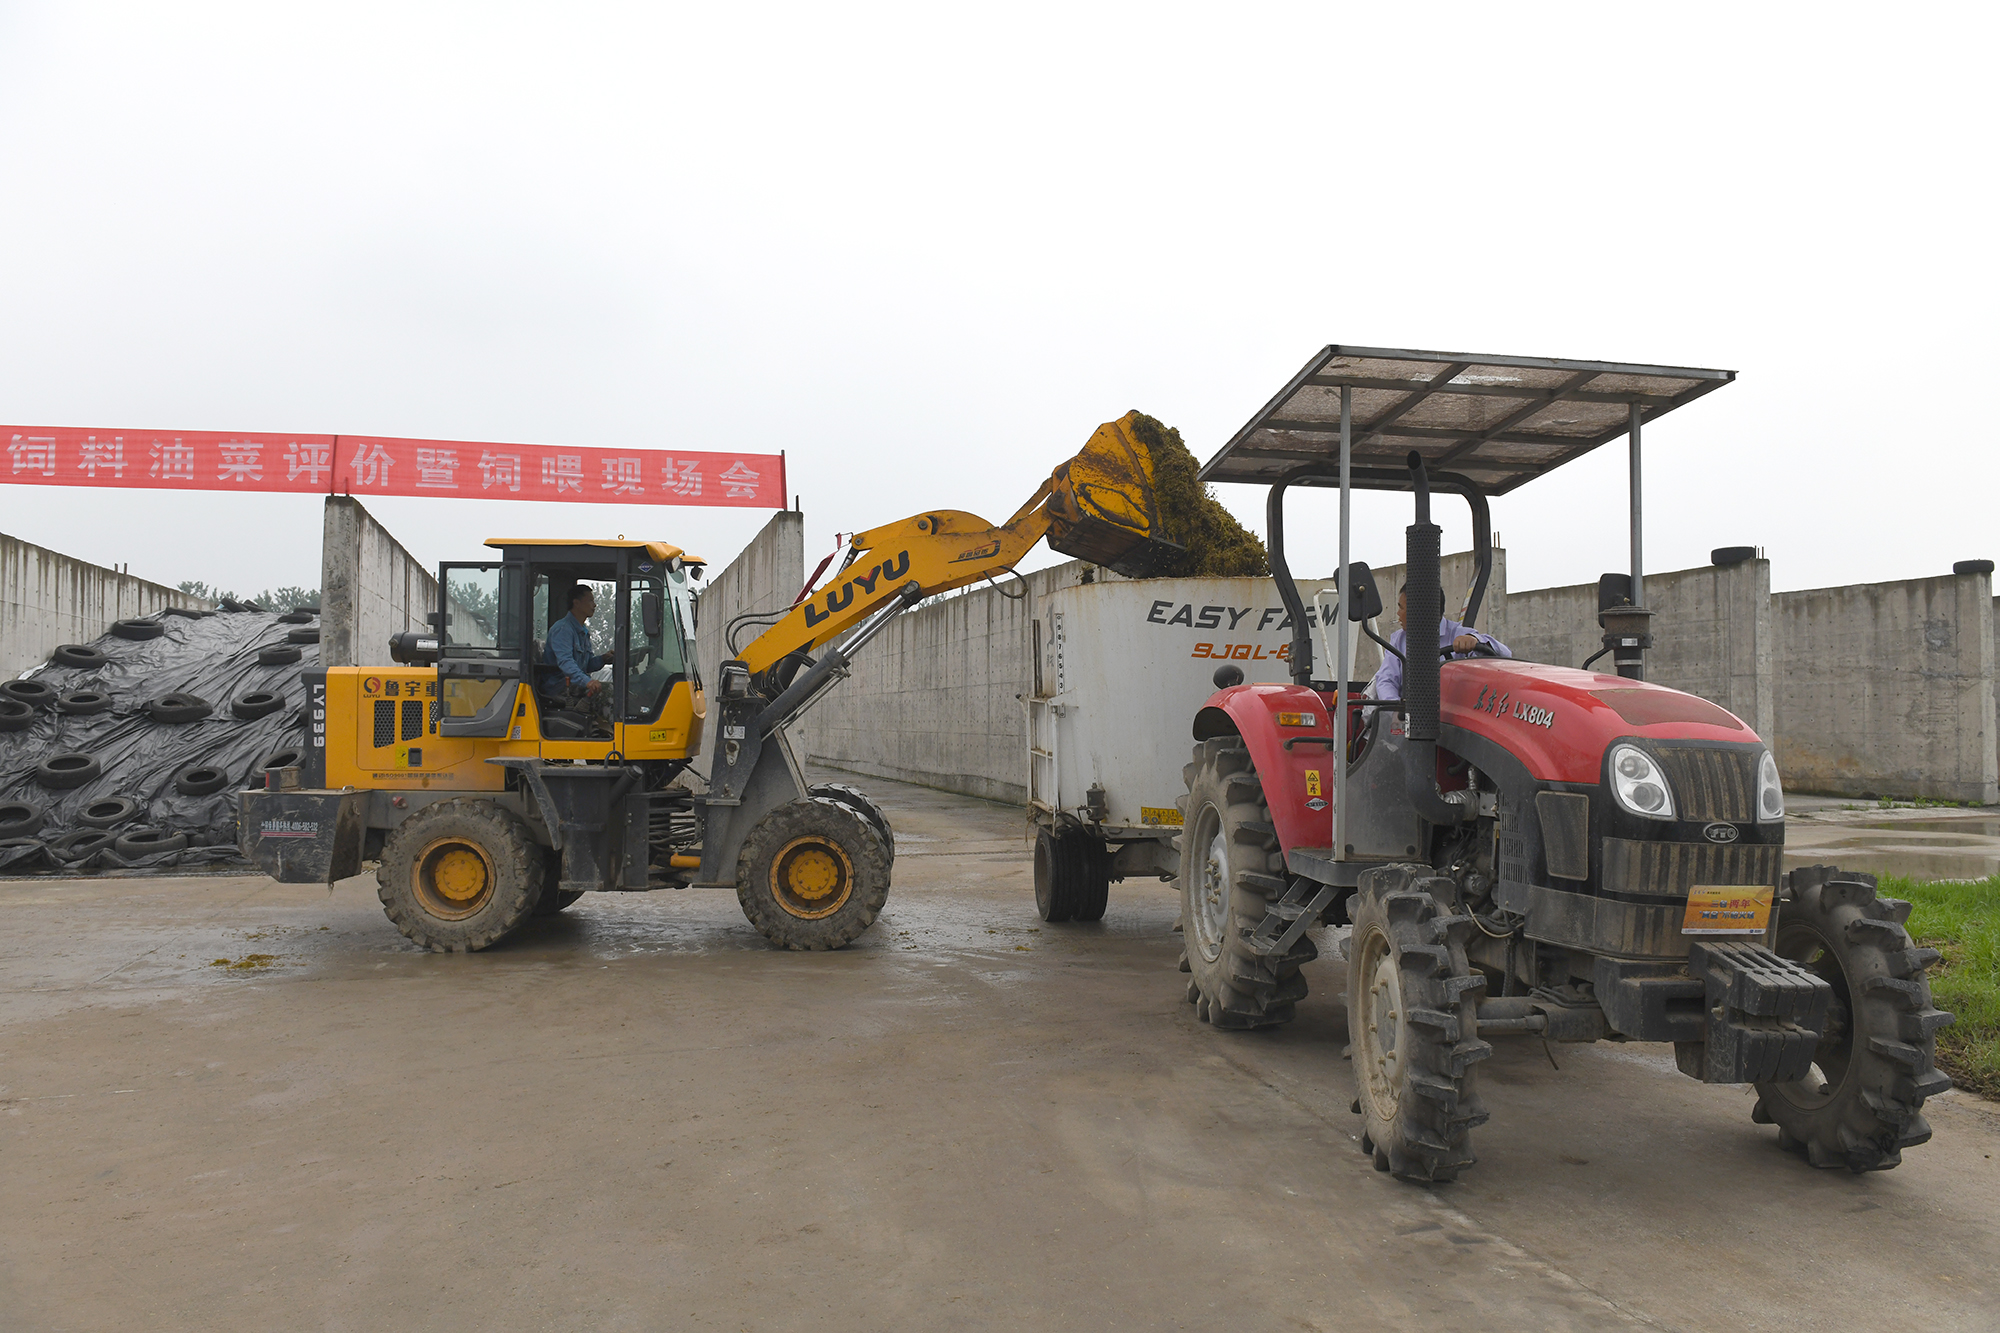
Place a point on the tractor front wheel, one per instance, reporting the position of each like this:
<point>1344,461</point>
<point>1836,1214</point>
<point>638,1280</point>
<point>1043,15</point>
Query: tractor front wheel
<point>457,876</point>
<point>813,874</point>
<point>1413,1025</point>
<point>1231,870</point>
<point>1861,1102</point>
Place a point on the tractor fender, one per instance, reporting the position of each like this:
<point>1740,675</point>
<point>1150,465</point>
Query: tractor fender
<point>1298,781</point>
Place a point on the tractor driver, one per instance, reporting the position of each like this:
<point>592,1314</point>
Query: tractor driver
<point>569,650</point>
<point>1388,682</point>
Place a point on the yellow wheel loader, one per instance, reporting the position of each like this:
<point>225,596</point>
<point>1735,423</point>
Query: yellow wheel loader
<point>491,790</point>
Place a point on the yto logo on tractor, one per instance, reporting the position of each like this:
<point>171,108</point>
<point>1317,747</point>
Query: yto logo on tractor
<point>837,599</point>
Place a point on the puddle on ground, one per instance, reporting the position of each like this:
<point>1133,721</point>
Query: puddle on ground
<point>1916,862</point>
<point>1969,828</point>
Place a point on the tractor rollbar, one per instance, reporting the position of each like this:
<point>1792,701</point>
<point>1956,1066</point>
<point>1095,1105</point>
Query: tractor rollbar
<point>1420,668</point>
<point>1369,478</point>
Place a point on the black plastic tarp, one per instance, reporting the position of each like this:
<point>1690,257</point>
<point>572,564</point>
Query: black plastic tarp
<point>213,656</point>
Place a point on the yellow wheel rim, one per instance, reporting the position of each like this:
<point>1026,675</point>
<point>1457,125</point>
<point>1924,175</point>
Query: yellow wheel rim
<point>453,879</point>
<point>812,877</point>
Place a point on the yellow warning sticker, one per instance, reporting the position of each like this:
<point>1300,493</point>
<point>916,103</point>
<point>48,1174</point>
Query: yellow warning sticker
<point>1312,782</point>
<point>1154,814</point>
<point>1727,909</point>
<point>659,737</point>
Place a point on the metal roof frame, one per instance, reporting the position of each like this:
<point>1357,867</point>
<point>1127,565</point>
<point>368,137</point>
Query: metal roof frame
<point>1500,421</point>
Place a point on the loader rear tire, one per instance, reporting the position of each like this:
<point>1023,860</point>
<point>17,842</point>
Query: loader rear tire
<point>1862,1102</point>
<point>1231,870</point>
<point>459,875</point>
<point>812,875</point>
<point>1413,1025</point>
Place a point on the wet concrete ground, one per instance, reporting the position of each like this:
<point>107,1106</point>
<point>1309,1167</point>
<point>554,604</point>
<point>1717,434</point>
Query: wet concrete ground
<point>1929,843</point>
<point>638,1117</point>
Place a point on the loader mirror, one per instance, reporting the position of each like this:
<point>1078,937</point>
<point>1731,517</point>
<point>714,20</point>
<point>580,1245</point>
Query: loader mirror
<point>1613,590</point>
<point>649,614</point>
<point>1364,599</point>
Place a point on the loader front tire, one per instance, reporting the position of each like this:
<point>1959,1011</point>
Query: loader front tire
<point>1413,1025</point>
<point>459,875</point>
<point>1231,871</point>
<point>813,874</point>
<point>1862,1102</point>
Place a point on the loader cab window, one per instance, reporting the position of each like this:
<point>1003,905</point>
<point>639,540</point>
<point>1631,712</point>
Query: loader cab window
<point>656,651</point>
<point>548,603</point>
<point>474,598</point>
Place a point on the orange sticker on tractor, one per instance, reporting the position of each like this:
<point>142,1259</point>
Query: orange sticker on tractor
<point>1727,909</point>
<point>1312,782</point>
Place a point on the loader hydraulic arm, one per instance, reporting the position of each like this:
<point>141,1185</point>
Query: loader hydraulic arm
<point>1100,505</point>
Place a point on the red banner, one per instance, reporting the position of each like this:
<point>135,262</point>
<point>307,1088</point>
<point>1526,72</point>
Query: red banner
<point>379,465</point>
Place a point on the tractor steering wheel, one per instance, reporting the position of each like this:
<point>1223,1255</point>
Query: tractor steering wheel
<point>1476,650</point>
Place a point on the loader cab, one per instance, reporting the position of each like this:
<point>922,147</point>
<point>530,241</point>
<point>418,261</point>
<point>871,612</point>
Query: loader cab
<point>494,626</point>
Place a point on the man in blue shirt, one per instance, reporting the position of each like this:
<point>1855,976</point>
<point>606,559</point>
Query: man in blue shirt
<point>1388,682</point>
<point>569,649</point>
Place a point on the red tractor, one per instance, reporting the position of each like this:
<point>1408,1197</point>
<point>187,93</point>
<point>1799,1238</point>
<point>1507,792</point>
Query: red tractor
<point>1523,848</point>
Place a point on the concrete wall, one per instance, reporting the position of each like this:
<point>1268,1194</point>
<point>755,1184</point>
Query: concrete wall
<point>1714,635</point>
<point>935,698</point>
<point>1888,689</point>
<point>767,576</point>
<point>370,587</point>
<point>48,599</point>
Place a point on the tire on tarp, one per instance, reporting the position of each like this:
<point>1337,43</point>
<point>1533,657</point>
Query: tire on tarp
<point>138,630</point>
<point>177,709</point>
<point>279,654</point>
<point>256,704</point>
<point>110,812</point>
<point>20,818</point>
<point>72,768</point>
<point>83,703</point>
<point>149,842</point>
<point>201,780</point>
<point>79,655</point>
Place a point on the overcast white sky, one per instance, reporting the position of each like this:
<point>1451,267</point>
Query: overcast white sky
<point>926,249</point>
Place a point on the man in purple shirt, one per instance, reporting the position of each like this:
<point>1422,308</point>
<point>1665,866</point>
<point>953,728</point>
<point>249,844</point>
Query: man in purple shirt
<point>1388,682</point>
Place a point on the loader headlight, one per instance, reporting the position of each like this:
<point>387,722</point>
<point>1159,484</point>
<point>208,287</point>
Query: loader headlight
<point>1770,795</point>
<point>1639,784</point>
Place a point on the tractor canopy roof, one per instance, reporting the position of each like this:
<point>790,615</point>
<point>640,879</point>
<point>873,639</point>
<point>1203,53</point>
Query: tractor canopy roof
<point>1498,421</point>
<point>660,551</point>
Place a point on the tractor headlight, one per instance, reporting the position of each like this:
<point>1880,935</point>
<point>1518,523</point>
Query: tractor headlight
<point>1638,783</point>
<point>1770,795</point>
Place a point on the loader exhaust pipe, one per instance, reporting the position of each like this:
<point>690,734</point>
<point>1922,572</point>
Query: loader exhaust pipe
<point>1425,591</point>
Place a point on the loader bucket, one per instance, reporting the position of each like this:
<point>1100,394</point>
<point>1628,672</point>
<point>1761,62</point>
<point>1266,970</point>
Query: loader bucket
<point>1103,507</point>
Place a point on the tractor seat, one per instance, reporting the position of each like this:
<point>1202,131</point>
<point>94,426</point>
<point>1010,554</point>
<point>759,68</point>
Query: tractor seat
<point>564,724</point>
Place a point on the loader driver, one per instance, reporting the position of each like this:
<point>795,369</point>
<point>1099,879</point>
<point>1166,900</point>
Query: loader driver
<point>569,650</point>
<point>1388,682</point>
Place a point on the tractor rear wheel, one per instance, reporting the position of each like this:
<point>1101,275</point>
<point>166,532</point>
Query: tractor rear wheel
<point>1861,1103</point>
<point>812,874</point>
<point>1231,870</point>
<point>1413,1026</point>
<point>457,876</point>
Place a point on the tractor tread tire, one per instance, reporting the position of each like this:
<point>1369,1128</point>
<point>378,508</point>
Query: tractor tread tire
<point>840,823</point>
<point>1238,988</point>
<point>1428,1136</point>
<point>517,864</point>
<point>1876,1109</point>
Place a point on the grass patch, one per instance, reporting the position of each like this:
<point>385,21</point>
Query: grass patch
<point>1961,921</point>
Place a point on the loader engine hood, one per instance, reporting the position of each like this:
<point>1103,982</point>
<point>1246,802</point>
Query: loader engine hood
<point>1559,721</point>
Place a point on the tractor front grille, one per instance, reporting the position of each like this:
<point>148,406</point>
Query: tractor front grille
<point>1713,785</point>
<point>1670,869</point>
